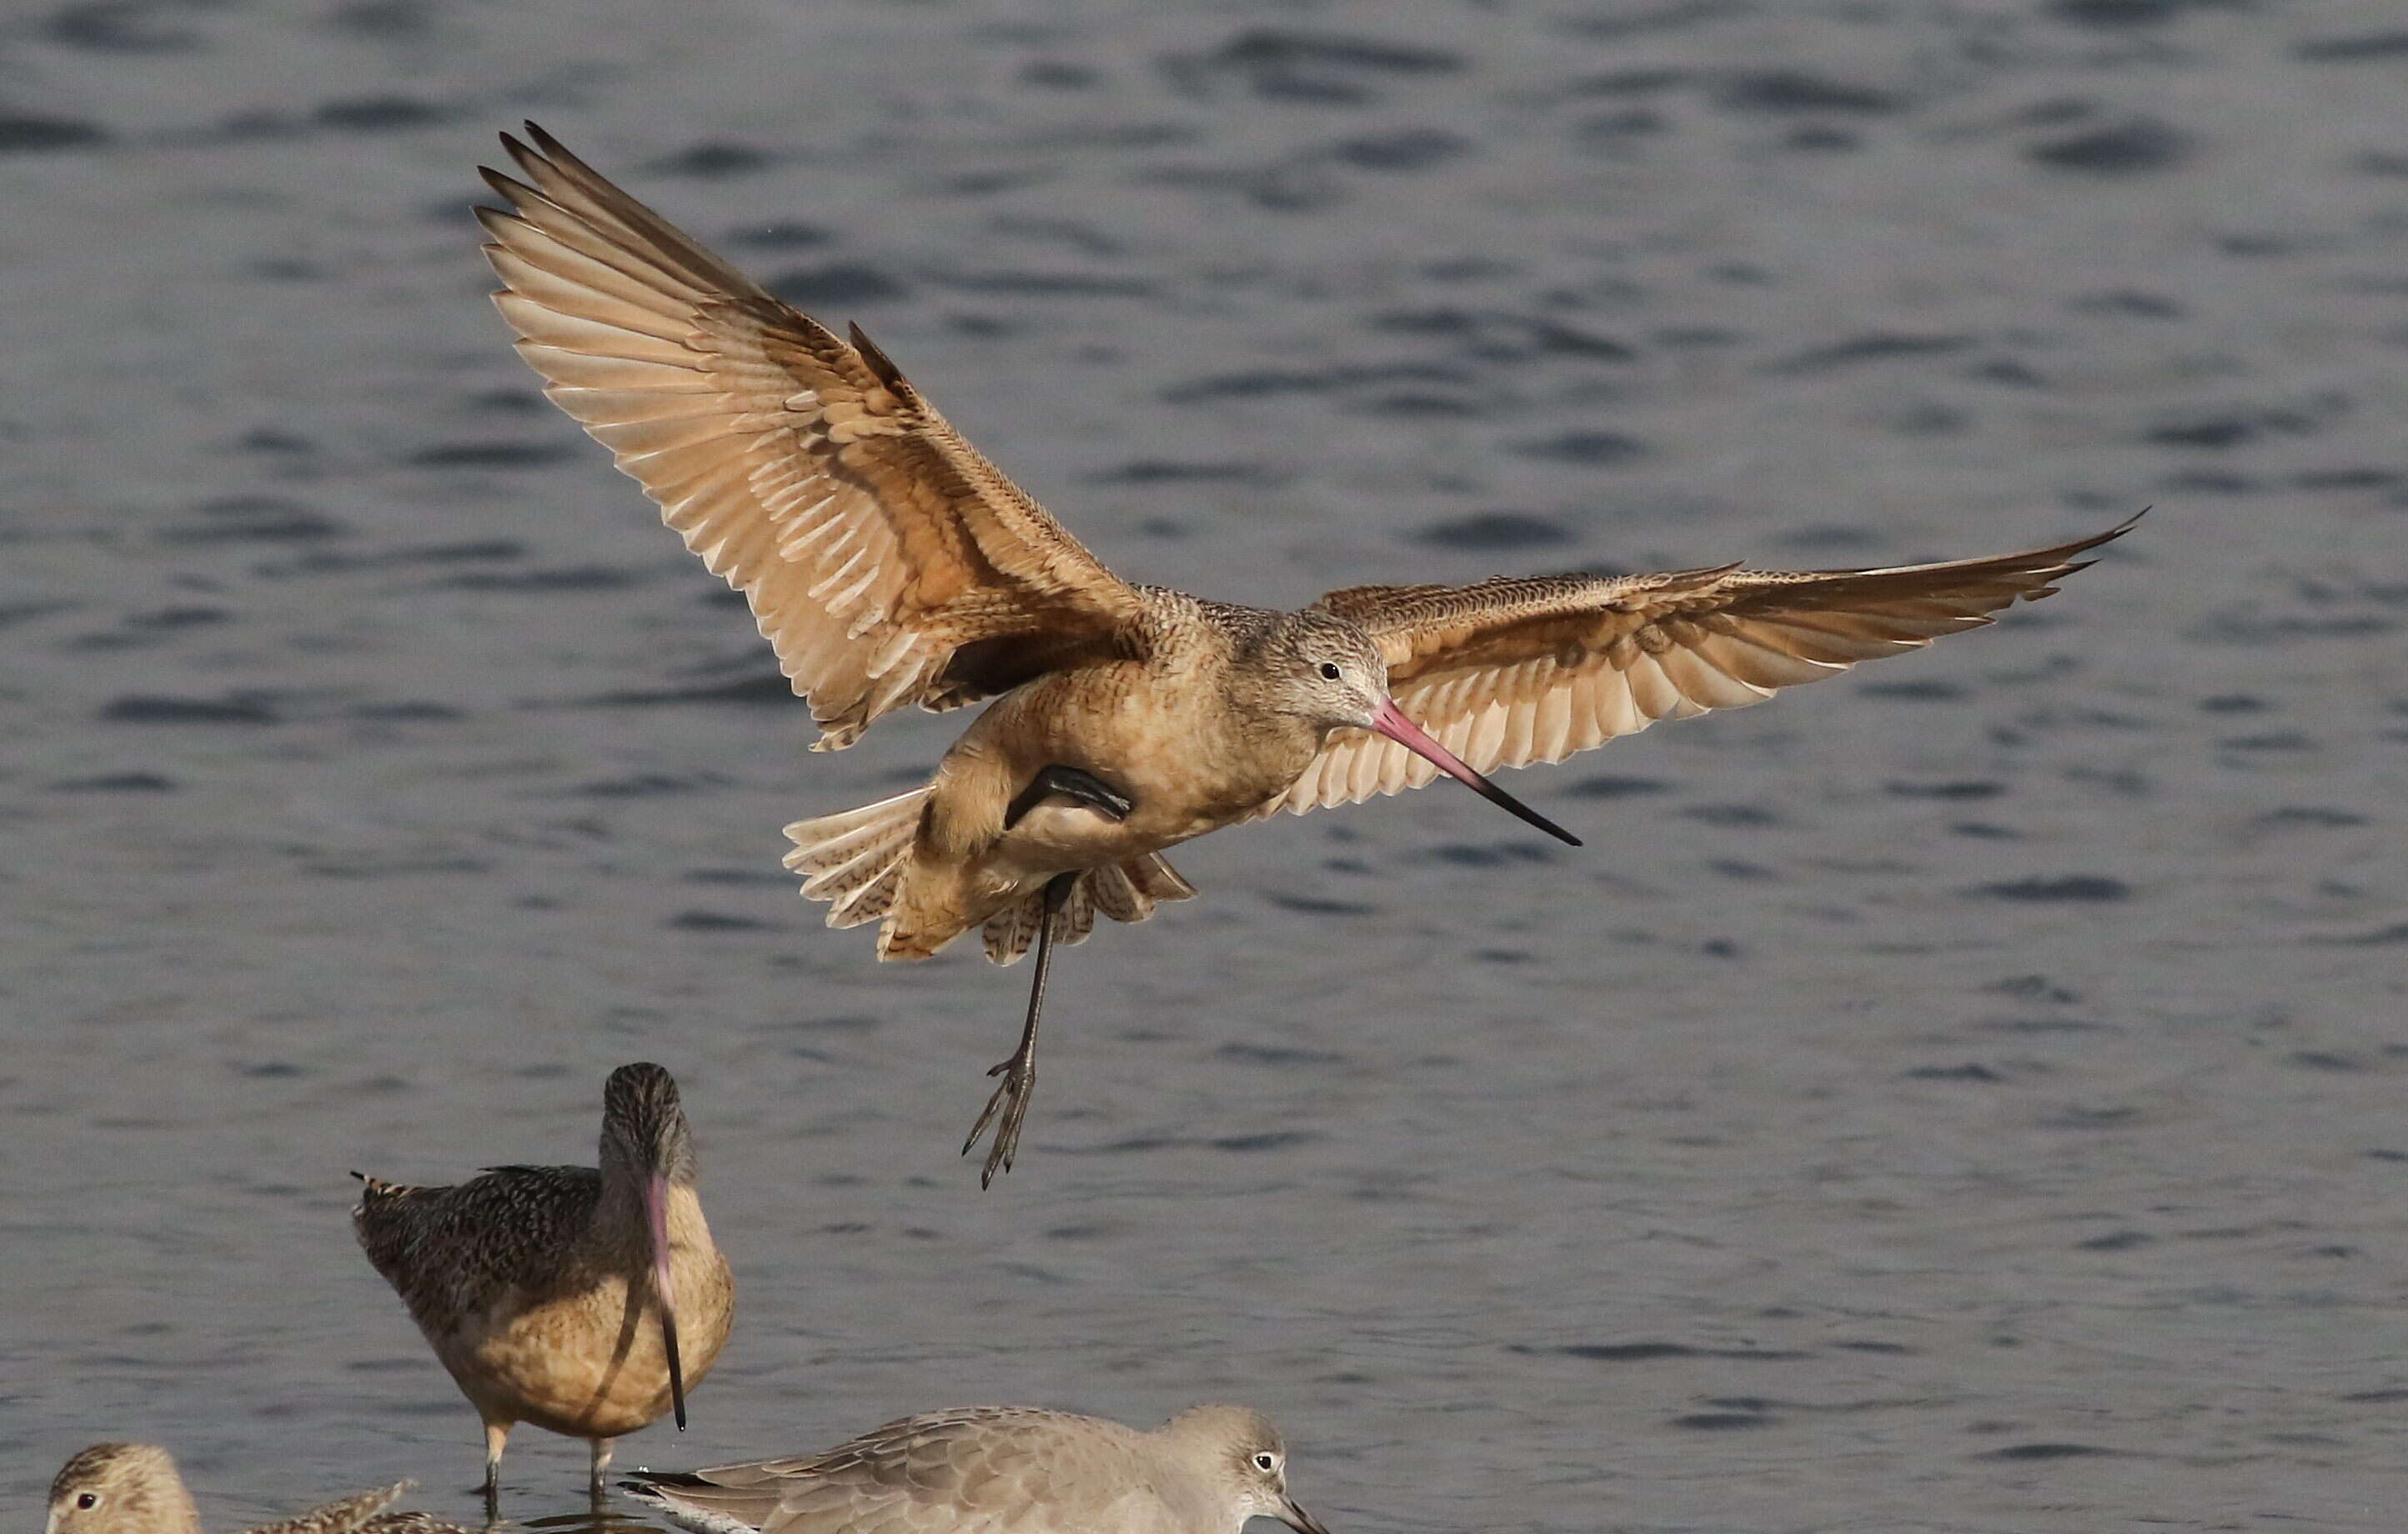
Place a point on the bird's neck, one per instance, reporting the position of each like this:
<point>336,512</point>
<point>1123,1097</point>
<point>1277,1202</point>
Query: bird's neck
<point>621,1227</point>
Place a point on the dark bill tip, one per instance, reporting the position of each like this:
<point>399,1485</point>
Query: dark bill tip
<point>1392,723</point>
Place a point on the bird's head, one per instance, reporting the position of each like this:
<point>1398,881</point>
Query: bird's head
<point>1324,669</point>
<point>120,1488</point>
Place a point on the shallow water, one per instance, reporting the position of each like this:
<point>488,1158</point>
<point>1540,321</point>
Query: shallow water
<point>1961,1096</point>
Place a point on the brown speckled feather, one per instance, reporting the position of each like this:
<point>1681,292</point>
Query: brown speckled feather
<point>886,560</point>
<point>136,1489</point>
<point>1524,670</point>
<point>453,1251</point>
<point>362,1515</point>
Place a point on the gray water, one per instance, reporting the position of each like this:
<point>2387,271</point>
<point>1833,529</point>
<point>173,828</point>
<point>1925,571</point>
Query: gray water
<point>1965,1096</point>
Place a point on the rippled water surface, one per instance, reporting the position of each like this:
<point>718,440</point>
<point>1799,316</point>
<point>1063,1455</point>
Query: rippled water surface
<point>1962,1096</point>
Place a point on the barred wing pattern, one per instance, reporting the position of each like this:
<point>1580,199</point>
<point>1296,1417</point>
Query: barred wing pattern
<point>363,1515</point>
<point>453,1251</point>
<point>973,1470</point>
<point>1516,670</point>
<point>884,559</point>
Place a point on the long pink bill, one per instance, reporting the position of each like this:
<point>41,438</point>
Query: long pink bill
<point>1392,723</point>
<point>657,1211</point>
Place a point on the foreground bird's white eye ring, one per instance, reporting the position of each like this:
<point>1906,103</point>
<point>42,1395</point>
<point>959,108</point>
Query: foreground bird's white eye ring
<point>1330,669</point>
<point>1268,1462</point>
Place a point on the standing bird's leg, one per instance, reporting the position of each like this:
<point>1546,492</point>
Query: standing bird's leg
<point>601,1462</point>
<point>497,1435</point>
<point>1073,784</point>
<point>1019,1073</point>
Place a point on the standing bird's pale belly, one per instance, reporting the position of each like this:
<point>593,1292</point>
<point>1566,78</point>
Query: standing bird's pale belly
<point>591,1364</point>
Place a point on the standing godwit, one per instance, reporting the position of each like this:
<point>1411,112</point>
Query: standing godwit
<point>889,564</point>
<point>133,1488</point>
<point>1003,1470</point>
<point>582,1302</point>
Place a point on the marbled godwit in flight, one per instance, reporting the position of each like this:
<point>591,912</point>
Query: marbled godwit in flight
<point>888,564</point>
<point>133,1488</point>
<point>583,1301</point>
<point>1003,1470</point>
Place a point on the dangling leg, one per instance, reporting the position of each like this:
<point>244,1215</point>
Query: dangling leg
<point>1019,1073</point>
<point>1073,784</point>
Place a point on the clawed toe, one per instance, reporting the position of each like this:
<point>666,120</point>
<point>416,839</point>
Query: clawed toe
<point>1006,1109</point>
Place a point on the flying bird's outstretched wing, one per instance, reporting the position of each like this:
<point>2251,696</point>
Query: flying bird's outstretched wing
<point>1516,670</point>
<point>884,559</point>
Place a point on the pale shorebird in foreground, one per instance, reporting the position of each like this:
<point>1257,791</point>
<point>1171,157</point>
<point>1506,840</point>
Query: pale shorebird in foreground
<point>133,1488</point>
<point>585,1301</point>
<point>1003,1470</point>
<point>889,564</point>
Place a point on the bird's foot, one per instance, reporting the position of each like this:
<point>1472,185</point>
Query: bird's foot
<point>1005,1110</point>
<point>1076,784</point>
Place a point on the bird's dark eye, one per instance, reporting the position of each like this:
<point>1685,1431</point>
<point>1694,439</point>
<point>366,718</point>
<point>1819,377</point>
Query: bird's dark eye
<point>1328,670</point>
<point>1265,1462</point>
<point>87,1500</point>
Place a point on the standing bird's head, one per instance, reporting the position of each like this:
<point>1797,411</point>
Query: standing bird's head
<point>646,1142</point>
<point>1325,669</point>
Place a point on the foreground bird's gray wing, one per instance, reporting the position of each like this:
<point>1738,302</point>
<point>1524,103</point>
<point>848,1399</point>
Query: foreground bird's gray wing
<point>886,560</point>
<point>1517,670</point>
<point>977,1471</point>
<point>363,1515</point>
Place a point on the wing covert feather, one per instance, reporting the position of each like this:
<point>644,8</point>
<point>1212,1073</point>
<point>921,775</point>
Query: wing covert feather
<point>872,542</point>
<point>974,1470</point>
<point>1520,669</point>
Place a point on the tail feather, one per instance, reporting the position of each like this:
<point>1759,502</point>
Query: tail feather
<point>854,859</point>
<point>1125,892</point>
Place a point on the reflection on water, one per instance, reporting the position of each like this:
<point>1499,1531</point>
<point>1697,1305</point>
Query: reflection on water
<point>593,1521</point>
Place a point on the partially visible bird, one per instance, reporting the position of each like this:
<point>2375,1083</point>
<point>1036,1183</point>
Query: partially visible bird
<point>889,564</point>
<point>134,1488</point>
<point>585,1301</point>
<point>1002,1470</point>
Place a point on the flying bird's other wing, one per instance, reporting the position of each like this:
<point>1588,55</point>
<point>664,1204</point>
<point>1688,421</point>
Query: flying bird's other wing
<point>1516,670</point>
<point>884,559</point>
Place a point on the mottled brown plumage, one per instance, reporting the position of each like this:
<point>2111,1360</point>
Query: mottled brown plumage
<point>889,564</point>
<point>538,1287</point>
<point>134,1488</point>
<point>1003,1470</point>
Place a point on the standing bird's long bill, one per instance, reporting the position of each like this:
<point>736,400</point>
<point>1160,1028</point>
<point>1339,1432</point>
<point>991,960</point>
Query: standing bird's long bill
<point>1391,721</point>
<point>657,1216</point>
